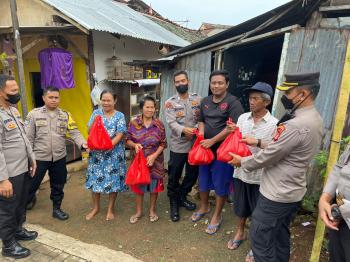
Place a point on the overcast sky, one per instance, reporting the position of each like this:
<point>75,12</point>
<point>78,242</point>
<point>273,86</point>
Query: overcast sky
<point>227,12</point>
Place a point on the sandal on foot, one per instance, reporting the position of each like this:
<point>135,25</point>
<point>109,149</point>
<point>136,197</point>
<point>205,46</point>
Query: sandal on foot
<point>234,244</point>
<point>134,219</point>
<point>212,229</point>
<point>153,218</point>
<point>250,256</point>
<point>196,216</point>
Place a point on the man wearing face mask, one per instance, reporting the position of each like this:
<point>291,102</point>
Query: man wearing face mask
<point>285,161</point>
<point>46,129</point>
<point>182,112</point>
<point>17,163</point>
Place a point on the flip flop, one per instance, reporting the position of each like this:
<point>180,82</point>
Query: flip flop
<point>250,256</point>
<point>153,218</point>
<point>199,216</point>
<point>234,243</point>
<point>134,219</point>
<point>213,227</point>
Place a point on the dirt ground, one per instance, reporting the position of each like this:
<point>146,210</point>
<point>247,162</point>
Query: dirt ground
<point>160,241</point>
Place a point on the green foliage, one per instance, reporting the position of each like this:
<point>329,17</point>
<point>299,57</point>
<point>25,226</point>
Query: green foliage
<point>343,143</point>
<point>321,160</point>
<point>309,203</point>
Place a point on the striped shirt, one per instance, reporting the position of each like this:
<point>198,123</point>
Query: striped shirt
<point>264,130</point>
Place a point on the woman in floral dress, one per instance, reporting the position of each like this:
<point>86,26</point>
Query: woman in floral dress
<point>106,169</point>
<point>147,133</point>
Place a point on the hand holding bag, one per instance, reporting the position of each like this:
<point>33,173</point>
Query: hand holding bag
<point>138,173</point>
<point>199,155</point>
<point>232,144</point>
<point>98,137</point>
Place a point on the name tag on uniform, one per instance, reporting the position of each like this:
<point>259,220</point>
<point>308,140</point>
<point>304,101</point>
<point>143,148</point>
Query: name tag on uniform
<point>40,122</point>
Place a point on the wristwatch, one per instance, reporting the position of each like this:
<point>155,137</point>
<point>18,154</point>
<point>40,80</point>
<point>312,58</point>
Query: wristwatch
<point>259,143</point>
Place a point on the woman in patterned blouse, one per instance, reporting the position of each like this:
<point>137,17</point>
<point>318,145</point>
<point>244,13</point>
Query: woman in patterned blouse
<point>147,133</point>
<point>106,169</point>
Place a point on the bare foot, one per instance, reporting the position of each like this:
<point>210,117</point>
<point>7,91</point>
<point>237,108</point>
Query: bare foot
<point>110,216</point>
<point>91,214</point>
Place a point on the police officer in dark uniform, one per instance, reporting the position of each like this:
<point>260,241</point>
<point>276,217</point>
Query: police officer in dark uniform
<point>17,163</point>
<point>334,207</point>
<point>285,161</point>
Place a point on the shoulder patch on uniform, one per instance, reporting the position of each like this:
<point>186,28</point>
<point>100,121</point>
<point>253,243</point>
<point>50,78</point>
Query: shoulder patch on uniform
<point>279,131</point>
<point>168,105</point>
<point>195,102</point>
<point>11,125</point>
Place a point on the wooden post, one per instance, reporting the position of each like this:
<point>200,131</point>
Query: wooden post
<point>339,122</point>
<point>91,59</point>
<point>18,48</point>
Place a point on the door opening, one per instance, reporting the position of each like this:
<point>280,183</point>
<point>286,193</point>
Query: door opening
<point>37,91</point>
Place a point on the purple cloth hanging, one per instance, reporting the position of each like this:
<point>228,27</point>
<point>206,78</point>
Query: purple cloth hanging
<point>56,66</point>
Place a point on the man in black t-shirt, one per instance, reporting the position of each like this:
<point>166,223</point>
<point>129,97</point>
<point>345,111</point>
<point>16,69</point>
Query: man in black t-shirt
<point>215,110</point>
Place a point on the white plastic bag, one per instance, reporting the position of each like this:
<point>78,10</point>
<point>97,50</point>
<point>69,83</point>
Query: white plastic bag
<point>95,95</point>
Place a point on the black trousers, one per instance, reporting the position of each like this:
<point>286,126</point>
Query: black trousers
<point>339,243</point>
<point>269,230</point>
<point>58,177</point>
<point>13,210</point>
<point>175,166</point>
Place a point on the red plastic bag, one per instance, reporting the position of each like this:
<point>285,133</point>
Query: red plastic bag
<point>138,173</point>
<point>98,137</point>
<point>199,155</point>
<point>232,144</point>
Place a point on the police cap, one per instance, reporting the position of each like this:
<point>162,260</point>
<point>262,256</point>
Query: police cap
<point>300,79</point>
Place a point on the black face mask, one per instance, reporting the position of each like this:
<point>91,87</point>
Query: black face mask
<point>182,89</point>
<point>290,107</point>
<point>287,103</point>
<point>13,99</point>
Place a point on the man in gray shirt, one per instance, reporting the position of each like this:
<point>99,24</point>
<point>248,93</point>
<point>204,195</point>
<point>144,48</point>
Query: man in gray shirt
<point>285,161</point>
<point>182,112</point>
<point>17,163</point>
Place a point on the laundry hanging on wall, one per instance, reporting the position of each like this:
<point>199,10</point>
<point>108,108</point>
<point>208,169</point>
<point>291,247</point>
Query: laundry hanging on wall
<point>56,66</point>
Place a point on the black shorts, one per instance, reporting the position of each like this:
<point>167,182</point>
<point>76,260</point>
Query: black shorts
<point>245,198</point>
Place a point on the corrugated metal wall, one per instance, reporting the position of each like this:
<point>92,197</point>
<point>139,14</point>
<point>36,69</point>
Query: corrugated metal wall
<point>198,67</point>
<point>319,50</point>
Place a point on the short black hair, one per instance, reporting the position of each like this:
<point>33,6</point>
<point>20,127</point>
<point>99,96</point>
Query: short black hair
<point>3,79</point>
<point>109,91</point>
<point>147,98</point>
<point>314,90</point>
<point>180,72</point>
<point>223,73</point>
<point>50,89</point>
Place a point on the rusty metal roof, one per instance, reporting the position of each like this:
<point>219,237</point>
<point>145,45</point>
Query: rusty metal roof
<point>113,17</point>
<point>294,12</point>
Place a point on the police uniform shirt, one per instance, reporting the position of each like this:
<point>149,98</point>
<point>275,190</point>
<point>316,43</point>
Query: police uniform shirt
<point>179,114</point>
<point>46,131</point>
<point>214,115</point>
<point>338,183</point>
<point>15,149</point>
<point>286,159</point>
